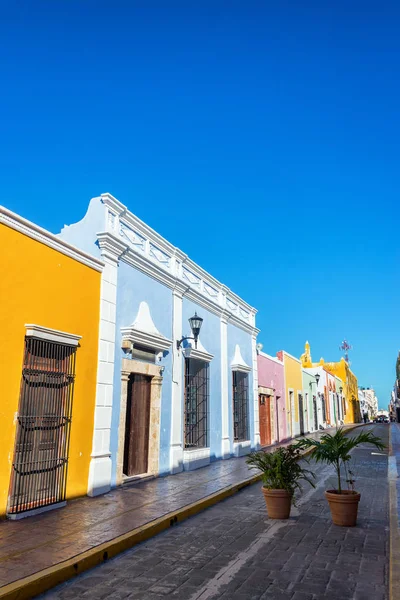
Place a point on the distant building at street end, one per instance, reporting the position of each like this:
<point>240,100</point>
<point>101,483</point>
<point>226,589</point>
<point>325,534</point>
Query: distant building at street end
<point>341,369</point>
<point>368,403</point>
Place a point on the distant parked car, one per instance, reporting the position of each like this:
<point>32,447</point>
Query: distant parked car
<point>381,419</point>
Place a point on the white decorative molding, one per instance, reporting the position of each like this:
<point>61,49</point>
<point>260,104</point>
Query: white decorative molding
<point>112,220</point>
<point>152,254</point>
<point>244,313</point>
<point>14,221</point>
<point>143,332</point>
<point>231,305</point>
<point>212,292</point>
<point>199,353</point>
<point>198,457</point>
<point>132,237</point>
<point>241,448</point>
<point>238,363</point>
<point>159,255</point>
<point>52,335</point>
<point>191,277</point>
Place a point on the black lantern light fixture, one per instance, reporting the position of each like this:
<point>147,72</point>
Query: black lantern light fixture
<point>195,325</point>
<point>317,377</point>
<point>340,389</point>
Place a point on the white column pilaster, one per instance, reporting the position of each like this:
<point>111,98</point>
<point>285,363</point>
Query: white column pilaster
<point>100,464</point>
<point>225,433</point>
<point>256,441</point>
<point>176,452</point>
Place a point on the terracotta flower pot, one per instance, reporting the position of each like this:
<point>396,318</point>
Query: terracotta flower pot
<point>278,503</point>
<point>344,507</point>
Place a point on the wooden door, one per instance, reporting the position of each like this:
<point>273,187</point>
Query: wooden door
<point>265,420</point>
<point>137,425</point>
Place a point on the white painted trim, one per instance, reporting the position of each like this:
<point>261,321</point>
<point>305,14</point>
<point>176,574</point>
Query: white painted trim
<point>196,454</point>
<point>274,358</point>
<point>241,448</point>
<point>238,363</point>
<point>132,258</point>
<point>52,335</point>
<point>225,434</point>
<point>154,255</point>
<point>291,356</point>
<point>199,353</point>
<point>176,448</point>
<point>18,223</point>
<point>257,437</point>
<point>143,331</point>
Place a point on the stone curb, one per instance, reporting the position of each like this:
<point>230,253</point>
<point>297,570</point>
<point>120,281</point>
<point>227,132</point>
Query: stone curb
<point>42,581</point>
<point>394,544</point>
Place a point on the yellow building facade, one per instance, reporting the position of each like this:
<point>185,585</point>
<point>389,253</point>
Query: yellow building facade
<point>349,381</point>
<point>49,326</point>
<point>294,392</point>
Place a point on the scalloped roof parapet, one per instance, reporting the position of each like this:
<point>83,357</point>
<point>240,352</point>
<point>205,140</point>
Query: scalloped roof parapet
<point>170,265</point>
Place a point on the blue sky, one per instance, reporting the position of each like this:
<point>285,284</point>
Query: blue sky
<point>261,138</point>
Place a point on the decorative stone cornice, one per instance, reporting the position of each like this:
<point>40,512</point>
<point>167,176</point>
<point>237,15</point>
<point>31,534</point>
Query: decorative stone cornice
<point>143,332</point>
<point>111,247</point>
<point>14,221</point>
<point>151,253</point>
<point>199,353</point>
<point>238,363</point>
<point>52,335</point>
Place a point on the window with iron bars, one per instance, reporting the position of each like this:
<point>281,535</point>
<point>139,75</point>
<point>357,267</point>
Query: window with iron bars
<point>240,406</point>
<point>39,475</point>
<point>196,403</point>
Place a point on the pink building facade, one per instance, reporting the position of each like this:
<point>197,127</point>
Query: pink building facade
<point>271,397</point>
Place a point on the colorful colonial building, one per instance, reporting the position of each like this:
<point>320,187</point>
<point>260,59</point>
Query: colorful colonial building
<point>49,316</point>
<point>163,403</point>
<point>335,385</point>
<point>310,401</point>
<point>294,394</point>
<point>271,399</point>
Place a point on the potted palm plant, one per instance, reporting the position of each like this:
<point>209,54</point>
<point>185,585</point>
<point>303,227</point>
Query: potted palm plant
<point>334,449</point>
<point>281,474</point>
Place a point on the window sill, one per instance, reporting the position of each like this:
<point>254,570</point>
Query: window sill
<point>196,458</point>
<point>241,448</point>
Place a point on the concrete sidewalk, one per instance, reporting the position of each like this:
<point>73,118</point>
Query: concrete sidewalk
<point>39,552</point>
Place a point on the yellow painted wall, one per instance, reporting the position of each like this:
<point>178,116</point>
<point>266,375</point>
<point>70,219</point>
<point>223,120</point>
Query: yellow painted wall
<point>42,286</point>
<point>350,388</point>
<point>350,384</point>
<point>293,381</point>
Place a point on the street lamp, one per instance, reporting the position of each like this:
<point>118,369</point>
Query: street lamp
<point>317,377</point>
<point>195,325</point>
<point>340,389</point>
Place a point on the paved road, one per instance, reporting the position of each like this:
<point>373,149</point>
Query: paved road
<point>232,551</point>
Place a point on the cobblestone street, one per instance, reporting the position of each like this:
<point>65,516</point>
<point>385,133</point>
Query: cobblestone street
<point>233,551</point>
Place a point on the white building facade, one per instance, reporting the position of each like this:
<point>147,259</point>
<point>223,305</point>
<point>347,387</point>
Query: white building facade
<point>161,406</point>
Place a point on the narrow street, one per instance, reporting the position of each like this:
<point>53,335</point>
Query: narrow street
<point>233,551</point>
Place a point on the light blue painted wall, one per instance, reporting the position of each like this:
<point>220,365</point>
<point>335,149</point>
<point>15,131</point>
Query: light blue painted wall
<point>238,336</point>
<point>211,340</point>
<point>134,287</point>
<point>83,234</point>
